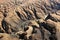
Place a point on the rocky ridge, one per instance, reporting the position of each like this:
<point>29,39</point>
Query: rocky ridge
<point>30,20</point>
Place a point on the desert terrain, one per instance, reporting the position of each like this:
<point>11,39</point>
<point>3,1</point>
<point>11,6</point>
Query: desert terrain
<point>29,19</point>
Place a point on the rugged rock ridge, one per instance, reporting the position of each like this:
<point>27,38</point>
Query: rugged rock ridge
<point>17,17</point>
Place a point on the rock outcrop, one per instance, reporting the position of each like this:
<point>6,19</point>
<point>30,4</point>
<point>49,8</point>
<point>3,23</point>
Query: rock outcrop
<point>29,20</point>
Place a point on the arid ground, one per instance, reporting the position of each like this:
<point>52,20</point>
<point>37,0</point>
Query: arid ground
<point>29,19</point>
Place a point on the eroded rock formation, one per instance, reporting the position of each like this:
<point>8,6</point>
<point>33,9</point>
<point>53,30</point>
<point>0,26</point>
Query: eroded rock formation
<point>30,20</point>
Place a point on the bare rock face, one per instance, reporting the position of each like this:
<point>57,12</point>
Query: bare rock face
<point>29,20</point>
<point>4,36</point>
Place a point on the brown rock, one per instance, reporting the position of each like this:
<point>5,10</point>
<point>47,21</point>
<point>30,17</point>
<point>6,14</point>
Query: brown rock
<point>4,36</point>
<point>55,17</point>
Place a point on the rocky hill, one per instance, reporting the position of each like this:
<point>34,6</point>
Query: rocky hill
<point>29,19</point>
